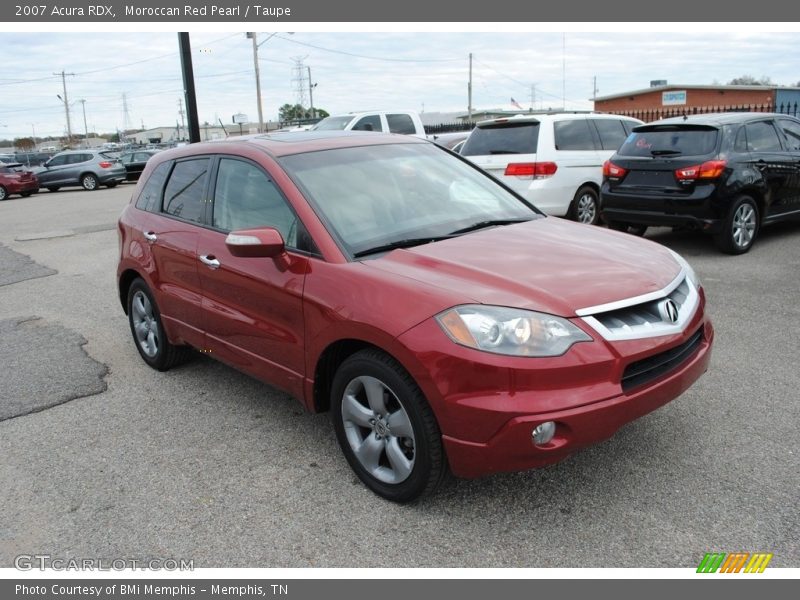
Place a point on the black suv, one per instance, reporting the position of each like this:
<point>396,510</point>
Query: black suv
<point>725,174</point>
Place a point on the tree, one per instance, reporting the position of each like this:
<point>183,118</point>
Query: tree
<point>25,144</point>
<point>296,112</point>
<point>750,80</point>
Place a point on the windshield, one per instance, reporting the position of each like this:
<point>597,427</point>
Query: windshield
<point>670,141</point>
<point>406,194</point>
<point>333,123</point>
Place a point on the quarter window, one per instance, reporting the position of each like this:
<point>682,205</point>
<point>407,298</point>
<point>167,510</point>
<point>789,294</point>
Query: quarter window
<point>612,133</point>
<point>183,196</point>
<point>792,131</point>
<point>573,135</point>
<point>400,123</point>
<point>150,198</point>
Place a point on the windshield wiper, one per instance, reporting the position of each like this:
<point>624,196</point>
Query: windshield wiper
<point>664,152</point>
<point>485,224</point>
<point>406,243</point>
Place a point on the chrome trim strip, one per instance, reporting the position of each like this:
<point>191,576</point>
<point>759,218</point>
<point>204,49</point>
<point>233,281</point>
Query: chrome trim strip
<point>601,308</point>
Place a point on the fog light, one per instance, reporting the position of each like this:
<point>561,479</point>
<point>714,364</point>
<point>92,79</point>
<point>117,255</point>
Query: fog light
<point>543,433</point>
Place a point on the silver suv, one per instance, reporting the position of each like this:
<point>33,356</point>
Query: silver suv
<point>87,168</point>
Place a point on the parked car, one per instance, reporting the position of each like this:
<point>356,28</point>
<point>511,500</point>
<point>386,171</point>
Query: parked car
<point>554,160</point>
<point>453,141</point>
<point>406,122</point>
<point>724,174</point>
<point>87,168</point>
<point>442,319</point>
<point>16,179</point>
<point>32,159</point>
<point>134,162</point>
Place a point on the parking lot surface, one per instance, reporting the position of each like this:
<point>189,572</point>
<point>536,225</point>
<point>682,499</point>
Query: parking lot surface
<point>100,456</point>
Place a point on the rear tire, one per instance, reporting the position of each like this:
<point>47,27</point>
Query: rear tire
<point>386,428</point>
<point>89,182</point>
<point>585,207</point>
<point>148,332</point>
<point>637,230</point>
<point>740,227</point>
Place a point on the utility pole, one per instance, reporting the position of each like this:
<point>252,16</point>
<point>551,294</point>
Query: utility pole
<point>85,128</point>
<point>594,89</point>
<point>469,90</point>
<point>183,123</point>
<point>188,86</point>
<point>66,102</point>
<point>533,96</point>
<point>254,36</point>
<point>311,87</point>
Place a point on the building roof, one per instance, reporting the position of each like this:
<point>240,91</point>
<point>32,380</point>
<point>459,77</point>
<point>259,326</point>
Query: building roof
<point>663,88</point>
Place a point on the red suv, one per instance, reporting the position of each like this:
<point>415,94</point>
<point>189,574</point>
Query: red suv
<point>442,319</point>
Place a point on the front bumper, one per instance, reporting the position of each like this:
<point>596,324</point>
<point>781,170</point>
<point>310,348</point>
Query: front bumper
<point>487,406</point>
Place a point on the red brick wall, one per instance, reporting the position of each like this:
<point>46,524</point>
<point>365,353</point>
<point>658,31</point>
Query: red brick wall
<point>705,99</point>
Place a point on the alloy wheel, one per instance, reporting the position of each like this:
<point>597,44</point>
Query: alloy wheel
<point>145,324</point>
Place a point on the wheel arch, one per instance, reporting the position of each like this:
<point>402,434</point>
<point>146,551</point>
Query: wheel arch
<point>126,278</point>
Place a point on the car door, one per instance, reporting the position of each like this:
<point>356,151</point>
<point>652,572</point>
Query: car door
<point>55,171</point>
<point>775,164</point>
<point>253,307</point>
<point>174,201</point>
<point>791,138</point>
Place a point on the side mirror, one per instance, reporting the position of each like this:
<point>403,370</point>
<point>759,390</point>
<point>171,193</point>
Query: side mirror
<point>46,164</point>
<point>264,242</point>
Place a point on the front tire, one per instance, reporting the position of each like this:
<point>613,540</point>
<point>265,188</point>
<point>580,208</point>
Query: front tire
<point>637,230</point>
<point>3,193</point>
<point>585,207</point>
<point>52,188</point>
<point>89,182</point>
<point>740,227</point>
<point>148,331</point>
<point>385,427</point>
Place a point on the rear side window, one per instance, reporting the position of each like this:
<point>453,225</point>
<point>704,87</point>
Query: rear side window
<point>183,196</point>
<point>670,141</point>
<point>506,138</point>
<point>612,133</point>
<point>150,198</point>
<point>400,123</point>
<point>573,135</point>
<point>762,137</point>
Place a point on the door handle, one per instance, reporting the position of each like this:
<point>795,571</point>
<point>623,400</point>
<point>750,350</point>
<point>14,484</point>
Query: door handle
<point>150,236</point>
<point>761,165</point>
<point>209,261</point>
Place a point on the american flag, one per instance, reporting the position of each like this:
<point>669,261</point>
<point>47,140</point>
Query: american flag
<point>515,103</point>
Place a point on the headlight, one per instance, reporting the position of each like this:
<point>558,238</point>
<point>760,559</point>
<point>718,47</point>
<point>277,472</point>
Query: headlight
<point>510,331</point>
<point>690,274</point>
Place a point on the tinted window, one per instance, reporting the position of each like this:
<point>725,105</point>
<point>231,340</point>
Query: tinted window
<point>58,160</point>
<point>183,196</point>
<point>368,123</point>
<point>612,133</point>
<point>150,198</point>
<point>669,140</point>
<point>762,137</point>
<point>141,156</point>
<point>508,138</point>
<point>792,131</point>
<point>74,159</point>
<point>573,135</point>
<point>740,145</point>
<point>245,197</point>
<point>400,124</point>
<point>126,158</point>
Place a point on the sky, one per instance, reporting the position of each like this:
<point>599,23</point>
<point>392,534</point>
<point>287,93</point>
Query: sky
<point>425,71</point>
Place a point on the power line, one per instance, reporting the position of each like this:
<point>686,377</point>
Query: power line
<point>409,60</point>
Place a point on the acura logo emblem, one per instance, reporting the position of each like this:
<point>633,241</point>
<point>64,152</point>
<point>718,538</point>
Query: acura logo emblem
<point>668,310</point>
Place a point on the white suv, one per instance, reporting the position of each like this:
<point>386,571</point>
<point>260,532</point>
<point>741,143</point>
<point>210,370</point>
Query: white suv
<point>553,160</point>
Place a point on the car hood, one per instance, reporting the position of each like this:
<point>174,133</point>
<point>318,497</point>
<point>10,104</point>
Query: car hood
<point>548,264</point>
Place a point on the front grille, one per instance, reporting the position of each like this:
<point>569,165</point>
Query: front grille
<point>641,317</point>
<point>646,370</point>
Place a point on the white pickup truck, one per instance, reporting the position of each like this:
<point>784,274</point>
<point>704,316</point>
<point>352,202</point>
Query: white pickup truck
<point>392,121</point>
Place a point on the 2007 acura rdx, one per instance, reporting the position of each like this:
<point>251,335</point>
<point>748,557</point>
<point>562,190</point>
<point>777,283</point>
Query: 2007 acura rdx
<point>443,320</point>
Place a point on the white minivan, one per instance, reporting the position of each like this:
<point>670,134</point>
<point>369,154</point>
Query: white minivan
<point>554,160</point>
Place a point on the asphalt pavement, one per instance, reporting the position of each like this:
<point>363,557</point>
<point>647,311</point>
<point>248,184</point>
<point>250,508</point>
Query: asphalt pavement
<point>102,457</point>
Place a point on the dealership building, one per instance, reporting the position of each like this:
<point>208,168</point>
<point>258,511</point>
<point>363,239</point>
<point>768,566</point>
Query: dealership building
<point>661,100</point>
